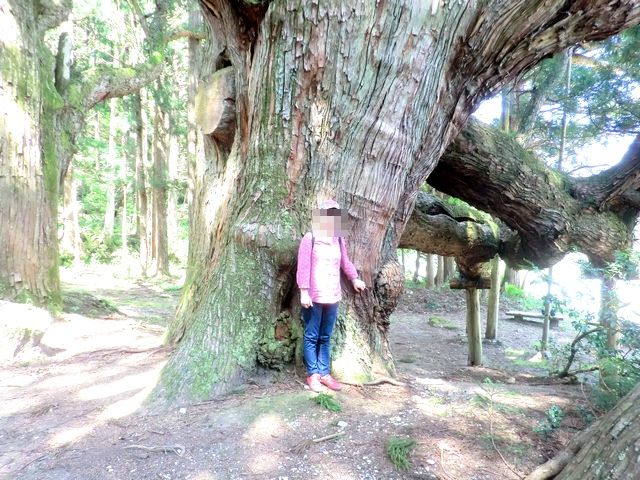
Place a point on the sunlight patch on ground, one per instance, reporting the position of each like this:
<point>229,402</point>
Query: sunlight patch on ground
<point>129,405</point>
<point>70,435</point>
<point>119,409</point>
<point>264,463</point>
<point>265,427</point>
<point>204,476</point>
<point>437,382</point>
<point>104,390</point>
<point>431,406</point>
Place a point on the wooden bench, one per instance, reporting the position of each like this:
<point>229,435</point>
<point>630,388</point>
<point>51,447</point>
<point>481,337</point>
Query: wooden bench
<point>533,317</point>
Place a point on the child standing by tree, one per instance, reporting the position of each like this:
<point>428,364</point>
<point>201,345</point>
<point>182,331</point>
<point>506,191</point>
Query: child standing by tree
<point>321,255</point>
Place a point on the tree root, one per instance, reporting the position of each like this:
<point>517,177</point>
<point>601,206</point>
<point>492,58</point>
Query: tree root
<point>555,465</point>
<point>377,381</point>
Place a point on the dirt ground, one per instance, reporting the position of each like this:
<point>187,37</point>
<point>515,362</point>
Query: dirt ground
<point>73,407</point>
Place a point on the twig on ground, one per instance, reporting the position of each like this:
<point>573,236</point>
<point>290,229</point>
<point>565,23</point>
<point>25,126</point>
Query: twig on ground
<point>302,446</point>
<point>179,450</point>
<point>444,470</point>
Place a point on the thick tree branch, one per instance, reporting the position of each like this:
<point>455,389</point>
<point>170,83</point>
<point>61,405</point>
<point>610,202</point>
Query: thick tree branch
<point>434,228</point>
<point>611,189</point>
<point>114,83</point>
<point>490,171</point>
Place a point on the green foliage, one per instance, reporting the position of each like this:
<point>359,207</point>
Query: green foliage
<point>398,450</point>
<point>551,423</point>
<point>626,266</point>
<point>328,401</point>
<point>98,248</point>
<point>525,301</point>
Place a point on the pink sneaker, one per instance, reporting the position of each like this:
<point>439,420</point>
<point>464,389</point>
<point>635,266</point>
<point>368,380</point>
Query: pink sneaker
<point>314,383</point>
<point>330,382</point>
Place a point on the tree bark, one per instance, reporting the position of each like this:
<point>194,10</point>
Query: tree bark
<point>142,202</point>
<point>316,105</point>
<point>606,450</point>
<point>29,171</point>
<point>160,243</point>
<point>110,208</point>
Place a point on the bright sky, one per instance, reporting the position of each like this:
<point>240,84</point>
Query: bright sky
<point>607,152</point>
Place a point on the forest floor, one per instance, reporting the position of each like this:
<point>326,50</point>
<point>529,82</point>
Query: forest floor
<point>72,407</point>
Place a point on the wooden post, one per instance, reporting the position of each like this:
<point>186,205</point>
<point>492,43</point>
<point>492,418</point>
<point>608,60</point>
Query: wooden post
<point>471,287</point>
<point>491,331</point>
<point>473,327</point>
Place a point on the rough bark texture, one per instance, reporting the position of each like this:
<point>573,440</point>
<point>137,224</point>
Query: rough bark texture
<point>29,177</point>
<point>608,450</point>
<point>352,100</point>
<point>550,211</point>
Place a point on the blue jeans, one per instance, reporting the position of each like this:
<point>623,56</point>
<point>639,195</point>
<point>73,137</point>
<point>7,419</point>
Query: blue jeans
<point>319,320</point>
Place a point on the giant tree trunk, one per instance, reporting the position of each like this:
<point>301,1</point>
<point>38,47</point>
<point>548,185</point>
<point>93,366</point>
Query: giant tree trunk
<point>349,100</point>
<point>29,172</point>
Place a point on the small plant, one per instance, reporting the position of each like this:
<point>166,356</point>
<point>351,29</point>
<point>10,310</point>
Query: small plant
<point>551,423</point>
<point>328,401</point>
<point>398,450</point>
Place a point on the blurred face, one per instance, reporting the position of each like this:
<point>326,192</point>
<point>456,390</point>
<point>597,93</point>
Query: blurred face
<point>328,223</point>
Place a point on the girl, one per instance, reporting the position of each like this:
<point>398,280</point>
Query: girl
<point>320,257</point>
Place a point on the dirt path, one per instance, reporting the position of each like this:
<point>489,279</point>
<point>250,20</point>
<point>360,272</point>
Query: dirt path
<point>78,413</point>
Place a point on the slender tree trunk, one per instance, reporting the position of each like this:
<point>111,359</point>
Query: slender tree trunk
<point>110,208</point>
<point>124,229</point>
<point>565,120</point>
<point>449,268</point>
<point>474,335</point>
<point>161,141</point>
<point>609,305</point>
<point>300,109</point>
<point>416,272</point>
<point>159,189</point>
<point>141,183</point>
<point>430,271</point>
<point>29,170</point>
<point>172,197</point>
<point>493,306</point>
<point>440,272</point>
<point>547,313</point>
<point>71,242</point>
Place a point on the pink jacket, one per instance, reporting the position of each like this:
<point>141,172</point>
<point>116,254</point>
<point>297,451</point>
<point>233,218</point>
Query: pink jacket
<point>319,271</point>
